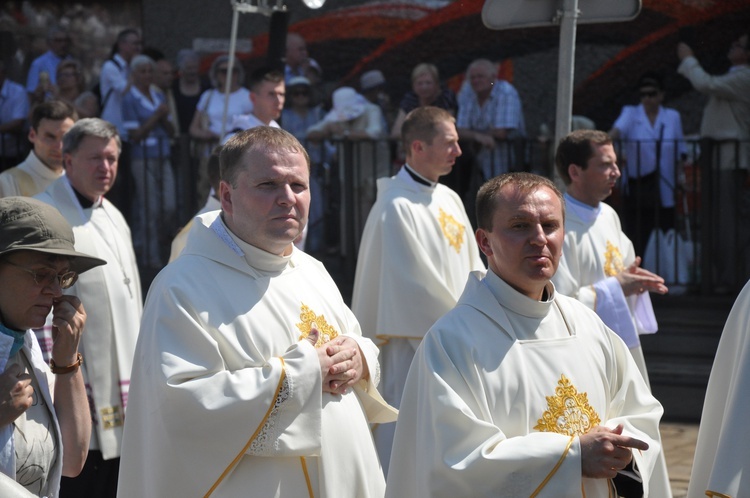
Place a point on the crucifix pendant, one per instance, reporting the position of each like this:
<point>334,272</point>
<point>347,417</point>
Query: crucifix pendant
<point>126,281</point>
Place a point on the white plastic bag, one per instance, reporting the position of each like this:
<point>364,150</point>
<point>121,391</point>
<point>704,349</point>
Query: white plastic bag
<point>670,256</point>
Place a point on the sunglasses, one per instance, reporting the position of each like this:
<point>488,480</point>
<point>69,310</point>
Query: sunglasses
<point>652,93</point>
<point>46,276</point>
<point>300,93</point>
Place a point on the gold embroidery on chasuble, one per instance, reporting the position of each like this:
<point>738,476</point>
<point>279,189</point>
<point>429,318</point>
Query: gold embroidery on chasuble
<point>111,417</point>
<point>310,319</point>
<point>612,260</point>
<point>453,230</point>
<point>569,412</point>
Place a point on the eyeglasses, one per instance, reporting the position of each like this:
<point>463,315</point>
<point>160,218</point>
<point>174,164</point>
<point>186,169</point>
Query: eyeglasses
<point>223,70</point>
<point>47,276</point>
<point>652,93</point>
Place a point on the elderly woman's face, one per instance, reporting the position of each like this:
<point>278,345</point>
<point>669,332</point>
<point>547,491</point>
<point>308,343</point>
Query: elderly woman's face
<point>190,68</point>
<point>24,304</point>
<point>425,86</point>
<point>143,75</point>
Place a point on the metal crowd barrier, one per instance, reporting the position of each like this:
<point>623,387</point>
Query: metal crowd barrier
<point>705,247</point>
<point>704,250</point>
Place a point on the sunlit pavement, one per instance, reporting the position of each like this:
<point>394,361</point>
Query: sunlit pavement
<point>679,447</point>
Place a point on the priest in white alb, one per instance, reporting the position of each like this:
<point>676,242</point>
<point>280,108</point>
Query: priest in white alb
<point>91,150</point>
<point>415,255</point>
<point>721,467</point>
<point>251,376</point>
<point>520,391</point>
<point>599,266</point>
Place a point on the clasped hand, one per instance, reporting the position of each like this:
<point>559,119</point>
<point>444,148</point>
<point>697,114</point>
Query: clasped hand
<point>341,363</point>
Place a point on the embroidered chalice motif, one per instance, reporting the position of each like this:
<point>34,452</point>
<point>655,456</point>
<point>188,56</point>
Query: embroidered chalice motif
<point>310,319</point>
<point>569,412</point>
<point>453,230</point>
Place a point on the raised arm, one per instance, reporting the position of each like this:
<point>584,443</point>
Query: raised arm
<point>71,403</point>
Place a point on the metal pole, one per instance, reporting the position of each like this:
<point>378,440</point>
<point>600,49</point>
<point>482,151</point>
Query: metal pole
<point>565,68</point>
<point>230,68</point>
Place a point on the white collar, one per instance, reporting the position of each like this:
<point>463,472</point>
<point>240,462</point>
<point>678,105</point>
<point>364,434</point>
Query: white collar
<point>255,257</point>
<point>404,175</point>
<point>510,298</point>
<point>36,165</point>
<point>584,211</point>
<point>150,105</point>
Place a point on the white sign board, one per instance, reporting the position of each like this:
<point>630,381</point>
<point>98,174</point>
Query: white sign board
<point>508,14</point>
<point>211,45</point>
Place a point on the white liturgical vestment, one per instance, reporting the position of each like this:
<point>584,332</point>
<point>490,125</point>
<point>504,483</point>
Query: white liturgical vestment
<point>112,298</point>
<point>416,253</point>
<point>722,456</point>
<point>499,391</point>
<point>28,178</point>
<point>595,250</point>
<point>227,398</point>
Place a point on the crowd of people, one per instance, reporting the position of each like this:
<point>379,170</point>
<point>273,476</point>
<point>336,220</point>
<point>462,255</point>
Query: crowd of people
<point>500,356</point>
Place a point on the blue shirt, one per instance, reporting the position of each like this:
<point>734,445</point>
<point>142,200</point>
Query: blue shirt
<point>48,61</point>
<point>136,110</point>
<point>14,104</point>
<point>502,109</point>
<point>298,125</point>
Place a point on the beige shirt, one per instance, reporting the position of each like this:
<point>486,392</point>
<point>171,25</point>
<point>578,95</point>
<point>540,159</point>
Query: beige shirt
<point>28,178</point>
<point>727,113</point>
<point>35,438</point>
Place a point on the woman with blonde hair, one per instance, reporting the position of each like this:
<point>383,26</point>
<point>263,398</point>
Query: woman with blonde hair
<point>207,121</point>
<point>426,89</point>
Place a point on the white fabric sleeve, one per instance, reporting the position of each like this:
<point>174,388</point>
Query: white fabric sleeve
<point>612,308</point>
<point>623,121</point>
<point>645,319</point>
<point>187,360</point>
<point>732,85</point>
<point>636,409</point>
<point>111,77</point>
